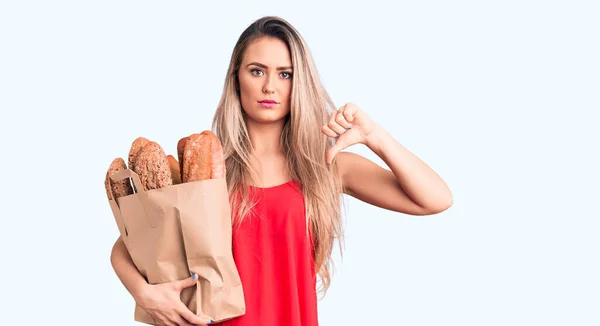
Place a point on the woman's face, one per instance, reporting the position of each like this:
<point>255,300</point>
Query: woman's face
<point>265,80</point>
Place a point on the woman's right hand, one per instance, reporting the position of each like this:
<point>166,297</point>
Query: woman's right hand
<point>163,303</point>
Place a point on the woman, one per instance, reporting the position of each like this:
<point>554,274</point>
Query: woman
<point>283,140</point>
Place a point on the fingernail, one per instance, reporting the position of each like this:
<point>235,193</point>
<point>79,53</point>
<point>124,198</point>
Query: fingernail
<point>194,276</point>
<point>336,135</point>
<point>208,322</point>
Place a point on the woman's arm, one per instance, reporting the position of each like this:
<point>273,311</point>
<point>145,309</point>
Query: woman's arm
<point>411,187</point>
<point>161,301</point>
<point>125,269</point>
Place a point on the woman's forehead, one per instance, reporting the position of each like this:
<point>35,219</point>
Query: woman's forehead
<point>270,52</point>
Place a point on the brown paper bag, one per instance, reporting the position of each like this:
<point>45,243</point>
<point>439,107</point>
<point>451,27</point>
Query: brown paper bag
<point>175,231</point>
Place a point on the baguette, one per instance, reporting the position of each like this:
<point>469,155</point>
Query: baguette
<point>120,188</point>
<point>175,170</point>
<point>180,148</point>
<point>217,163</point>
<point>152,166</point>
<point>196,158</point>
<point>202,157</point>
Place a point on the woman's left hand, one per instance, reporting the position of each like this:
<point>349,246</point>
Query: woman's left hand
<point>350,125</point>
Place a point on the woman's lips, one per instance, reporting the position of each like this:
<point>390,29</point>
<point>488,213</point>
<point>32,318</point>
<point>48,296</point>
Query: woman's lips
<point>267,104</point>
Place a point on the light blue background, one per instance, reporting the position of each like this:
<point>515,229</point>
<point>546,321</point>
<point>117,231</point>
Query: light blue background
<point>501,98</point>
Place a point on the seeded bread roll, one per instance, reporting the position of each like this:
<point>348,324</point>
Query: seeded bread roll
<point>120,188</point>
<point>175,171</point>
<point>196,158</point>
<point>152,166</point>
<point>135,149</point>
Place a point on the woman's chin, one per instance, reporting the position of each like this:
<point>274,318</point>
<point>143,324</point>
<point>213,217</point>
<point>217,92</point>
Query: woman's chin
<point>267,117</point>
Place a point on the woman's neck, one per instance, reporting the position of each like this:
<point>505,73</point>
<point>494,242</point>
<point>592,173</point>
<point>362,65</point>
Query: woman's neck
<point>265,138</point>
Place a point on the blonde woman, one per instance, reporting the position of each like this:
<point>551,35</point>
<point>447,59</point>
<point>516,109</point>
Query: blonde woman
<point>286,172</point>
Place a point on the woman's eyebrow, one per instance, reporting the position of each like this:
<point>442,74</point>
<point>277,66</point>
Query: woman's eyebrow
<point>265,67</point>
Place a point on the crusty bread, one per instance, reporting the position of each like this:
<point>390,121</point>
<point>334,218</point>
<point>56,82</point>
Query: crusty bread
<point>196,158</point>
<point>180,148</point>
<point>175,170</point>
<point>120,188</point>
<point>217,163</point>
<point>152,166</point>
<point>202,157</point>
<point>135,149</point>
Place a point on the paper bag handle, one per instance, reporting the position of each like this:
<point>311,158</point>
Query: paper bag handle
<point>140,192</point>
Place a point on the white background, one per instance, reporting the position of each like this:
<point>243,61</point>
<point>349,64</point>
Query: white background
<point>501,98</point>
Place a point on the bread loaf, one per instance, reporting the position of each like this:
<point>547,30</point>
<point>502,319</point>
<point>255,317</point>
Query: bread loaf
<point>196,158</point>
<point>152,166</point>
<point>175,170</point>
<point>135,149</point>
<point>217,167</point>
<point>120,188</point>
<point>180,148</point>
<point>203,157</point>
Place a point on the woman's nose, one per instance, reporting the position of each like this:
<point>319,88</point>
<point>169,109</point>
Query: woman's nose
<point>268,87</point>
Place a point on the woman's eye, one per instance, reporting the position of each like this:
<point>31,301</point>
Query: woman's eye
<point>256,72</point>
<point>286,75</point>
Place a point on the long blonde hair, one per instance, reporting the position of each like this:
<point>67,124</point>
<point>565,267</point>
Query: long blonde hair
<point>302,142</point>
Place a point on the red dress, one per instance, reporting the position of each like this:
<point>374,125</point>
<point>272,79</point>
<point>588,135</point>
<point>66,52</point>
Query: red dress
<point>273,254</point>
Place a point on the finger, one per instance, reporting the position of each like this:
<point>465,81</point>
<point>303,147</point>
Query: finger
<point>189,316</point>
<point>162,320</point>
<point>339,145</point>
<point>340,118</point>
<point>328,132</point>
<point>333,125</point>
<point>186,282</point>
<point>166,323</point>
<point>179,321</point>
<point>349,115</point>
<point>349,111</point>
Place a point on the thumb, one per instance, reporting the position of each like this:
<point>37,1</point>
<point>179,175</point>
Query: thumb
<point>187,282</point>
<point>339,145</point>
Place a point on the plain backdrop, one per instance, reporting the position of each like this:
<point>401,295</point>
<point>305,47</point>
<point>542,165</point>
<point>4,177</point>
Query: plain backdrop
<point>501,98</point>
